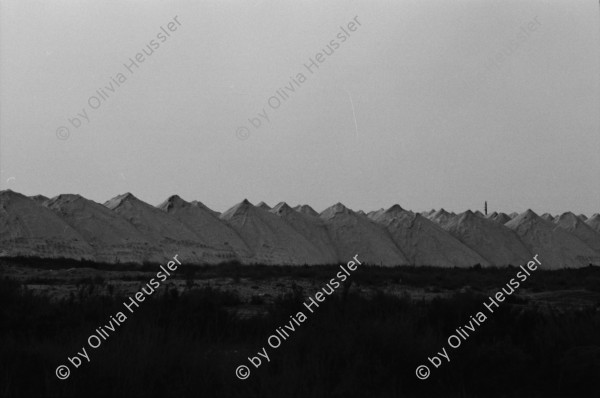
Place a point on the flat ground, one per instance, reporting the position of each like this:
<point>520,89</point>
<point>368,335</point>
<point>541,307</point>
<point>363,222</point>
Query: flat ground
<point>365,340</point>
<point>260,285</point>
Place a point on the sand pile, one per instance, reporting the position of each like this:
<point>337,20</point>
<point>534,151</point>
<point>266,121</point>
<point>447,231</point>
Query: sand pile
<point>352,233</point>
<point>166,234</point>
<point>424,242</point>
<point>594,222</point>
<point>441,217</point>
<point>113,238</point>
<point>270,238</point>
<point>217,241</point>
<point>570,222</point>
<point>29,229</point>
<point>312,228</point>
<point>500,218</point>
<point>126,229</point>
<point>493,241</point>
<point>556,247</point>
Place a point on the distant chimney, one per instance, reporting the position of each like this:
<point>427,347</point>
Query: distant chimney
<point>485,207</point>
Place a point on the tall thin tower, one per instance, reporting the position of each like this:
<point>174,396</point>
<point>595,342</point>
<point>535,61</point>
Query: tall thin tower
<point>485,207</point>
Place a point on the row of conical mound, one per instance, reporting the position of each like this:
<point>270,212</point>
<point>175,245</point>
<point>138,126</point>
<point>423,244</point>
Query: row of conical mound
<point>126,229</point>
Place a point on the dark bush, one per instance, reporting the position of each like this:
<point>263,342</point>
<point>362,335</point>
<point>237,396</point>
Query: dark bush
<point>190,343</point>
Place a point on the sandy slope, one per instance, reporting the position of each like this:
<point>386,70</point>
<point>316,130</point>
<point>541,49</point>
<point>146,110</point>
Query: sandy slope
<point>126,229</point>
<point>352,233</point>
<point>547,217</point>
<point>594,222</point>
<point>493,241</point>
<point>218,240</point>
<point>427,213</point>
<point>264,206</point>
<point>441,217</point>
<point>312,228</point>
<point>270,238</point>
<point>167,235</point>
<point>306,209</point>
<point>201,205</point>
<point>570,222</point>
<point>29,229</point>
<point>424,242</point>
<point>39,198</point>
<point>113,238</point>
<point>556,247</point>
<point>500,218</point>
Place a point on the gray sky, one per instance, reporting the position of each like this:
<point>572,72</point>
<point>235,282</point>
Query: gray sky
<point>411,108</point>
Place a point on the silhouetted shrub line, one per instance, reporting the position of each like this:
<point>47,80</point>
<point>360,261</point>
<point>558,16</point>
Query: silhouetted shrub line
<point>425,277</point>
<point>188,344</point>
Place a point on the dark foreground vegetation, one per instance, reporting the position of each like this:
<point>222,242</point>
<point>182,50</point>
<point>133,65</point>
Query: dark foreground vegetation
<point>478,278</point>
<point>179,345</point>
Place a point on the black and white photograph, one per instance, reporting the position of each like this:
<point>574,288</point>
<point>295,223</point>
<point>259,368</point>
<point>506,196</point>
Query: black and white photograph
<point>300,198</point>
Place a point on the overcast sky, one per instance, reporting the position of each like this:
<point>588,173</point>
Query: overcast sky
<point>414,107</point>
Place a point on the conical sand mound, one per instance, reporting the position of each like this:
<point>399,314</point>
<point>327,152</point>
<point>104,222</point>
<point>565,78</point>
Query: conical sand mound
<point>571,223</point>
<point>126,229</point>
<point>556,248</point>
<point>352,234</point>
<point>306,209</point>
<point>426,243</point>
<point>270,238</point>
<point>166,234</point>
<point>441,217</point>
<point>311,228</point>
<point>29,229</point>
<point>500,218</point>
<point>547,217</point>
<point>113,238</point>
<point>201,205</point>
<point>428,213</point>
<point>264,206</point>
<point>594,222</point>
<point>39,198</point>
<point>494,242</point>
<point>217,240</point>
<point>374,215</point>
